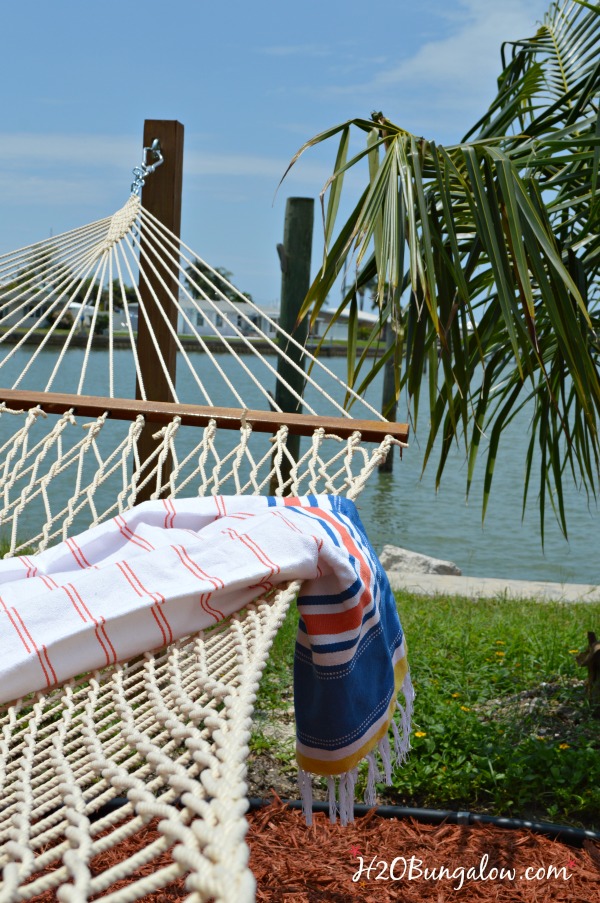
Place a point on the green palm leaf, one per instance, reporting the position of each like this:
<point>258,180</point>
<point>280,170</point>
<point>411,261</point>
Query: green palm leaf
<point>487,257</point>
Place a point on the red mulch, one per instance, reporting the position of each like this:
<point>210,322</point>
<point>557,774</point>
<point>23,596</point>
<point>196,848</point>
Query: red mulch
<point>380,860</point>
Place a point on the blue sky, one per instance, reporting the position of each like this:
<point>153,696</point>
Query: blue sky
<point>249,81</point>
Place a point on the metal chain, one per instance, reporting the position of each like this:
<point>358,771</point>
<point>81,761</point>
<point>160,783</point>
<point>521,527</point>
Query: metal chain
<point>144,170</point>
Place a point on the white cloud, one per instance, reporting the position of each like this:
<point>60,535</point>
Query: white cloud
<point>471,54</point>
<point>52,192</point>
<point>27,149</point>
<point>65,169</point>
<point>249,166</point>
<point>449,82</point>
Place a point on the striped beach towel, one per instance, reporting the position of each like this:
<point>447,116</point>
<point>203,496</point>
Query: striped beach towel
<point>169,568</point>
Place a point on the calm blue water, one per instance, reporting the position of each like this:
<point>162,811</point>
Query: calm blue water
<point>402,508</point>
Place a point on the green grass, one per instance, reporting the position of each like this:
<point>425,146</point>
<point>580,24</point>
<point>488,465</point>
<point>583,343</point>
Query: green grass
<point>502,723</point>
<point>5,548</point>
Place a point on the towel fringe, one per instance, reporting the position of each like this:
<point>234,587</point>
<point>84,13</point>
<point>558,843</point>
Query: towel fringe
<point>385,753</point>
<point>347,783</point>
<point>373,775</point>
<point>341,788</point>
<point>306,794</point>
<point>402,735</point>
<point>333,806</point>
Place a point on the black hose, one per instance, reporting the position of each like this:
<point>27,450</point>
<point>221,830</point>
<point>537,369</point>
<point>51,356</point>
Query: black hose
<point>569,835</point>
<point>572,836</point>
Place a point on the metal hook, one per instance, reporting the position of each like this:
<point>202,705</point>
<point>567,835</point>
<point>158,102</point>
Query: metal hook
<point>144,170</point>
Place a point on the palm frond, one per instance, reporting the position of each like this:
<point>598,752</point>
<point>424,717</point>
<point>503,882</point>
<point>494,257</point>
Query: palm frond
<point>487,256</point>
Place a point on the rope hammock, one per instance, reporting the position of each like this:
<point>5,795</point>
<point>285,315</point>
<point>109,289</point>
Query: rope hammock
<point>165,734</point>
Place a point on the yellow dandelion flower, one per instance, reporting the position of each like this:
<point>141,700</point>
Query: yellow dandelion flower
<point>573,651</point>
<point>455,695</point>
<point>563,746</point>
<point>420,734</point>
<point>500,643</point>
<point>465,708</point>
<point>500,654</point>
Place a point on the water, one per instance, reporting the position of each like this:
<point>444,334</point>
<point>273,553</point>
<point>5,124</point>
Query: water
<point>402,508</point>
<point>445,526</point>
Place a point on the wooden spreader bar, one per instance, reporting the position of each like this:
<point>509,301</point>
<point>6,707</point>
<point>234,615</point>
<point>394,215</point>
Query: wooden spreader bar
<point>161,412</point>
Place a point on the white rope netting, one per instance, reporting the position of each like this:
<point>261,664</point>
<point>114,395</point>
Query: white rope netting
<point>167,734</point>
<point>99,269</point>
<point>161,741</point>
<point>61,474</point>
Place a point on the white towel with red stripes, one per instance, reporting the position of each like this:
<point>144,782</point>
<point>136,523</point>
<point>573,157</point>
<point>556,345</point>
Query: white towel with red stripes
<point>135,583</point>
<point>169,568</point>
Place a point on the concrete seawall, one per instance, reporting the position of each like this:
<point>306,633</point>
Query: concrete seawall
<point>493,587</point>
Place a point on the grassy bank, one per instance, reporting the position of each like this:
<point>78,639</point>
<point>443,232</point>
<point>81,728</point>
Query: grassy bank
<point>502,723</point>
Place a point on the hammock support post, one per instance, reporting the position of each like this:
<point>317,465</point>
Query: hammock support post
<point>161,196</point>
<point>389,402</point>
<point>295,256</point>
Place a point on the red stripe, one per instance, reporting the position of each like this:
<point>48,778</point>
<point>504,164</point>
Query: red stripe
<point>288,522</point>
<point>130,536</point>
<point>260,554</point>
<point>48,582</point>
<point>31,568</point>
<point>141,590</point>
<point>136,583</point>
<point>195,569</point>
<point>159,614</point>
<point>207,607</point>
<point>77,601</point>
<point>74,600</point>
<point>296,529</point>
<point>122,567</point>
<point>267,586</point>
<point>33,643</point>
<point>101,641</point>
<point>107,638</point>
<point>340,622</point>
<point>170,515</point>
<point>77,553</point>
<point>49,663</point>
<point>156,618</point>
<point>16,626</point>
<point>80,600</point>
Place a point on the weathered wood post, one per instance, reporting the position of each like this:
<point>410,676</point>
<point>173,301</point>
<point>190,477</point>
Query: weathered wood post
<point>294,255</point>
<point>161,196</point>
<point>389,403</point>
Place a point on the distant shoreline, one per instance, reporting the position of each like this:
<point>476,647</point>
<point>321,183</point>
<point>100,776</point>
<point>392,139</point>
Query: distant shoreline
<point>189,343</point>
